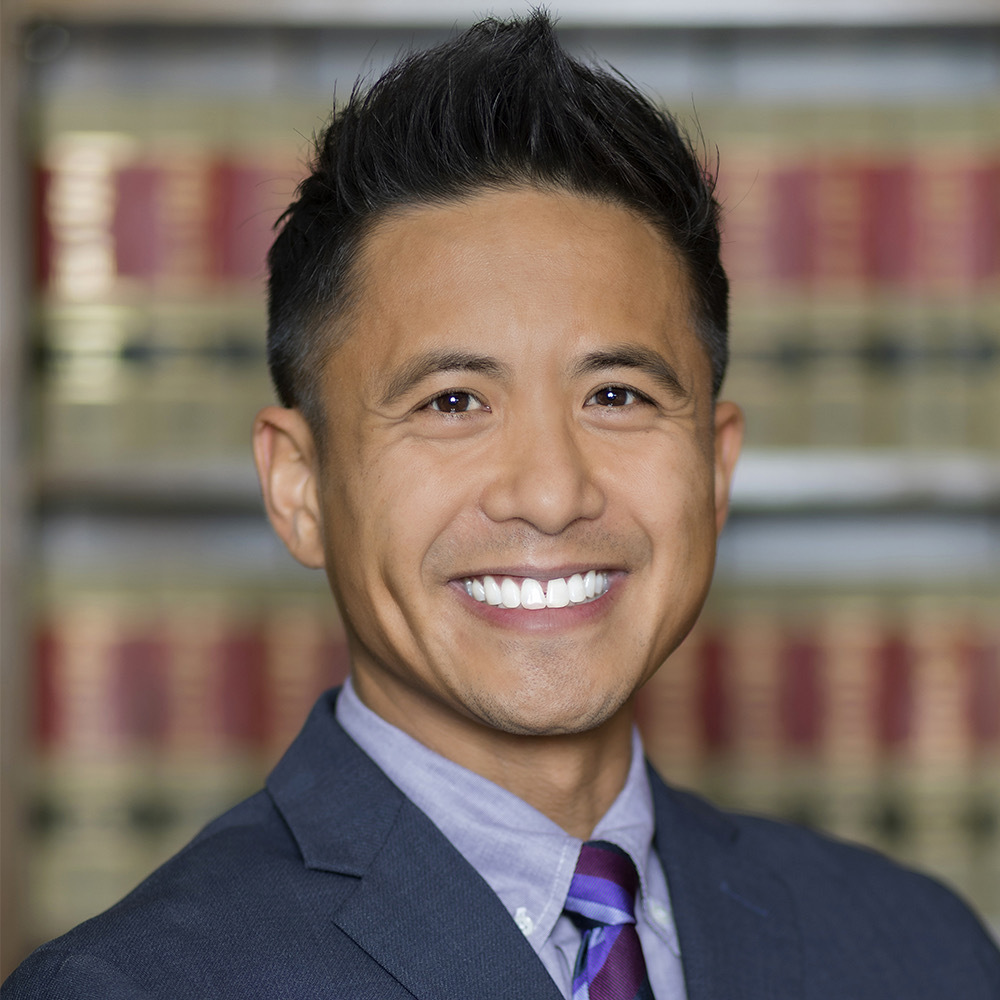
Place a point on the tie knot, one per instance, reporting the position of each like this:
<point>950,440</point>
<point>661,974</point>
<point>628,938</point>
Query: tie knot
<point>604,886</point>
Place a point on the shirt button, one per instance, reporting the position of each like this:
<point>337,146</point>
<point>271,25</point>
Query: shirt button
<point>523,921</point>
<point>659,914</point>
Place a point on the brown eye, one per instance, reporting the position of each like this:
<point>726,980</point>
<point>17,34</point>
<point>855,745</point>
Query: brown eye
<point>613,395</point>
<point>455,402</point>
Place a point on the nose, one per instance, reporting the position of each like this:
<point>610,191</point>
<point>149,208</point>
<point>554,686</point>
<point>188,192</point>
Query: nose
<point>543,474</point>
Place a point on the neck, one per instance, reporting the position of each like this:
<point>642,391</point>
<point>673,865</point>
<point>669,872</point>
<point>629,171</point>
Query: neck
<point>571,778</point>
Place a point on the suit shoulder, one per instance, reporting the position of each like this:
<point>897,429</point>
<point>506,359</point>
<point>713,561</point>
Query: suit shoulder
<point>803,853</point>
<point>53,971</point>
<point>215,891</point>
<point>813,857</point>
<point>847,893</point>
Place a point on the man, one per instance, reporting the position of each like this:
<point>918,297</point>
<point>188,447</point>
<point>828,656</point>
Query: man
<point>498,328</point>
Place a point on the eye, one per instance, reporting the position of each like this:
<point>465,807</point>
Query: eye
<point>455,402</point>
<point>616,395</point>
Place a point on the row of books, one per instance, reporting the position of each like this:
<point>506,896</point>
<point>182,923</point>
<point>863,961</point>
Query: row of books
<point>166,382</point>
<point>883,372</point>
<point>825,201</point>
<point>118,219</point>
<point>180,383</point>
<point>858,198</point>
<point>863,243</point>
<point>844,682</point>
<point>875,717</point>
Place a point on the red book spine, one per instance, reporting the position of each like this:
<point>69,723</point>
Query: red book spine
<point>980,656</point>
<point>802,696</point>
<point>984,183</point>
<point>793,231</point>
<point>714,707</point>
<point>893,705</point>
<point>141,690</point>
<point>247,197</point>
<point>887,222</point>
<point>48,718</point>
<point>139,228</point>
<point>240,691</point>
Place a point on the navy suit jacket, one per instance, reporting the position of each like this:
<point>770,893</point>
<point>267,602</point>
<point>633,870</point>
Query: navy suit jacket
<point>331,883</point>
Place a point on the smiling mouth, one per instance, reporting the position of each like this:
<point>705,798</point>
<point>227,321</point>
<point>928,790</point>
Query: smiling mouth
<point>536,595</point>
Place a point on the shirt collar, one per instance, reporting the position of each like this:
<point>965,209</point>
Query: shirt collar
<point>526,858</point>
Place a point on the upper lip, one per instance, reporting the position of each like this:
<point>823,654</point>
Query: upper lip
<point>540,572</point>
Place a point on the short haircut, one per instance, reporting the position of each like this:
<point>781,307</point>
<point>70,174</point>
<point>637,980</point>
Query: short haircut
<point>501,105</point>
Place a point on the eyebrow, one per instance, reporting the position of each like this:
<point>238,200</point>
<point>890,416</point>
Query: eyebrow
<point>416,369</point>
<point>634,356</point>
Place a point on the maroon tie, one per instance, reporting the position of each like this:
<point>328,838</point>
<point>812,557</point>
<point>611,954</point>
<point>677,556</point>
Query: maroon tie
<point>601,902</point>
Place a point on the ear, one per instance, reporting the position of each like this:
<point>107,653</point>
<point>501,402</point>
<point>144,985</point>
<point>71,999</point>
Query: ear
<point>728,440</point>
<point>285,453</point>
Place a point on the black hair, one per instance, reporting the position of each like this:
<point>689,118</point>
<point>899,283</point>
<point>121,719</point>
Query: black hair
<point>500,105</point>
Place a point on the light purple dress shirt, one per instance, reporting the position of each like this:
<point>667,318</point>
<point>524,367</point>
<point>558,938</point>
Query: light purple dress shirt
<point>525,857</point>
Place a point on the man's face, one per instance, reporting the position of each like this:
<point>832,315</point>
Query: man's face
<point>521,397</point>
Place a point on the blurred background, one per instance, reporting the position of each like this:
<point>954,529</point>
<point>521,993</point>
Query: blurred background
<point>160,649</point>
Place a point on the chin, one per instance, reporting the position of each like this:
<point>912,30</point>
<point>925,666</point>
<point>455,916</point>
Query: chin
<point>547,714</point>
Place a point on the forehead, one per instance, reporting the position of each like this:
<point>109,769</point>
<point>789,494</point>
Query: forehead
<point>521,234</point>
<point>518,270</point>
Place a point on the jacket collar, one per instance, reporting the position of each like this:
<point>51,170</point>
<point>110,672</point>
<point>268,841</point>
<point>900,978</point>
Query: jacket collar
<point>337,802</point>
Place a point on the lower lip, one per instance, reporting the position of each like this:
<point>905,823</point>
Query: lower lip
<point>544,619</point>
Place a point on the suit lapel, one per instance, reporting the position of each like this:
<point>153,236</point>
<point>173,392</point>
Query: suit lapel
<point>735,920</point>
<point>427,917</point>
<point>417,907</point>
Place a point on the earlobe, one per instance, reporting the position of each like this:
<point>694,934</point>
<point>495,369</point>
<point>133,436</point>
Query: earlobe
<point>728,441</point>
<point>285,455</point>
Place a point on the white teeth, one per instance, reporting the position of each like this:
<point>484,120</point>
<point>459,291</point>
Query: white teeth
<point>510,594</point>
<point>557,593</point>
<point>492,588</point>
<point>534,594</point>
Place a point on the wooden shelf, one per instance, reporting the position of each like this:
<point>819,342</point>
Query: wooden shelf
<point>789,480</point>
<point>850,551</point>
<point>155,487</point>
<point>771,481</point>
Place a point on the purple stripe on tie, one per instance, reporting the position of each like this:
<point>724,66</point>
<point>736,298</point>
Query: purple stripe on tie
<point>623,972</point>
<point>590,889</point>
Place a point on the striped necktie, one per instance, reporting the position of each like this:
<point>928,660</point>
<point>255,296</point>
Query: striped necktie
<point>601,902</point>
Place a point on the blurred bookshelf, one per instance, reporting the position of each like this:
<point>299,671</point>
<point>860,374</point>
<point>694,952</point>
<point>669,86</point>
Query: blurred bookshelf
<point>720,13</point>
<point>846,672</point>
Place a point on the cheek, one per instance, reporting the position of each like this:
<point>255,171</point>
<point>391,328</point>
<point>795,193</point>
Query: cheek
<point>669,487</point>
<point>404,503</point>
